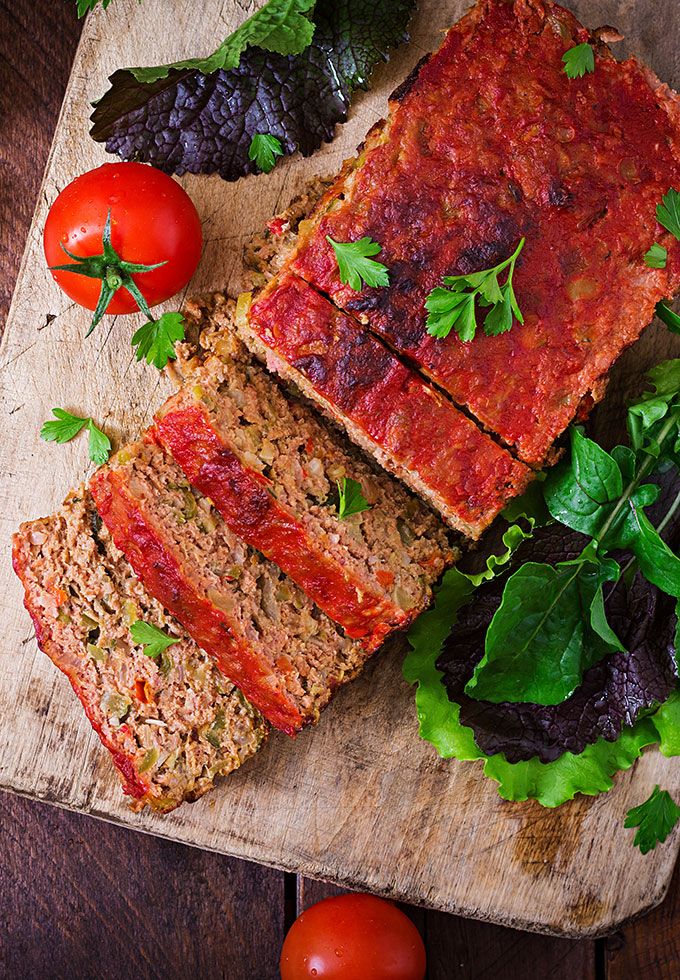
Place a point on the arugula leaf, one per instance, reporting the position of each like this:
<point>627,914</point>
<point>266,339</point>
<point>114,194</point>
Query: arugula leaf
<point>65,426</point>
<point>655,818</point>
<point>578,61</point>
<point>665,314</point>
<point>455,307</point>
<point>656,257</point>
<point>355,266</point>
<point>263,150</point>
<point>352,500</point>
<point>156,339</point>
<point>282,26</point>
<point>153,639</point>
<point>199,123</point>
<point>668,212</point>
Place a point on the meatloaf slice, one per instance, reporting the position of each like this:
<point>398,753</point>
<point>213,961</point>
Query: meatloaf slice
<point>273,471</point>
<point>490,141</point>
<point>265,634</point>
<point>171,723</point>
<point>411,429</point>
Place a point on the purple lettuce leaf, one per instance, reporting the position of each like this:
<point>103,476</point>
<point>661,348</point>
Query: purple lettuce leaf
<point>205,123</point>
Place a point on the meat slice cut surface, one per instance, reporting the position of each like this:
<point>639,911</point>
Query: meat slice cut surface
<point>285,655</point>
<point>171,723</point>
<point>490,141</point>
<point>413,430</point>
<point>274,471</point>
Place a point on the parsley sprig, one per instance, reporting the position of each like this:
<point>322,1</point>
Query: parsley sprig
<point>153,639</point>
<point>156,339</point>
<point>65,426</point>
<point>668,212</point>
<point>354,264</point>
<point>264,149</point>
<point>578,61</point>
<point>655,818</point>
<point>456,307</point>
<point>352,500</point>
<point>656,256</point>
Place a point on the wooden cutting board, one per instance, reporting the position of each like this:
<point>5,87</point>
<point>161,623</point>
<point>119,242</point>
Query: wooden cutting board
<point>360,800</point>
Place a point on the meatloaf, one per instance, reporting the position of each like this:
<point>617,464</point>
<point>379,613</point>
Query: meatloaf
<point>411,428</point>
<point>171,723</point>
<point>275,472</point>
<point>487,142</point>
<point>285,654</point>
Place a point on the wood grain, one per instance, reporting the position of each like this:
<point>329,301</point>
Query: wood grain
<point>361,800</point>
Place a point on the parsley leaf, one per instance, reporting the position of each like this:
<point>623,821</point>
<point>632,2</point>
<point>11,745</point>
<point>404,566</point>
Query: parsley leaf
<point>153,639</point>
<point>156,339</point>
<point>668,212</point>
<point>195,122</point>
<point>578,61</point>
<point>354,264</point>
<point>65,426</point>
<point>455,307</point>
<point>656,257</point>
<point>655,818</point>
<point>352,500</point>
<point>263,150</point>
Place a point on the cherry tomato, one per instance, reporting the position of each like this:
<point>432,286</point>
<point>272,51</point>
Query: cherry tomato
<point>353,937</point>
<point>152,220</point>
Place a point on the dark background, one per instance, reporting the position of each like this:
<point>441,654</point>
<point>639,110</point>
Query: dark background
<point>84,900</point>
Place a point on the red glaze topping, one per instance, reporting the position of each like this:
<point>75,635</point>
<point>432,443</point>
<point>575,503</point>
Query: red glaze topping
<point>210,627</point>
<point>402,415</point>
<point>241,497</point>
<point>492,141</point>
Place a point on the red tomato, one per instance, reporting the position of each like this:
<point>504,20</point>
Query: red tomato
<point>152,220</point>
<point>353,937</point>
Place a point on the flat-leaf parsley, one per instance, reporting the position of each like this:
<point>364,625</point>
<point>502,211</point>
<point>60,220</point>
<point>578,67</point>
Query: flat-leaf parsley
<point>352,500</point>
<point>156,339</point>
<point>455,307</point>
<point>65,426</point>
<point>264,149</point>
<point>355,265</point>
<point>153,639</point>
<point>655,818</point>
<point>578,61</point>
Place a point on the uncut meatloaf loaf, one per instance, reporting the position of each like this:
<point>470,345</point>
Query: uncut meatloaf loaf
<point>171,723</point>
<point>487,142</point>
<point>275,471</point>
<point>285,654</point>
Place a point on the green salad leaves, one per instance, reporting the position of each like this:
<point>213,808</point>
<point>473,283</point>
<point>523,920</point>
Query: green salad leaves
<point>551,625</point>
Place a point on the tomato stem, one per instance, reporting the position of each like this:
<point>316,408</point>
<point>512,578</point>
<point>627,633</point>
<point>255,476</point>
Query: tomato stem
<point>115,273</point>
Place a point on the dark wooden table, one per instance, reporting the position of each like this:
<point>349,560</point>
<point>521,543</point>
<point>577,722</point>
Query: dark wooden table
<point>82,899</point>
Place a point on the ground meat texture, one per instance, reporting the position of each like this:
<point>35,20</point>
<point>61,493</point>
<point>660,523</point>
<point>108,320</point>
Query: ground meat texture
<point>491,142</point>
<point>272,470</point>
<point>411,429</point>
<point>172,723</point>
<point>286,656</point>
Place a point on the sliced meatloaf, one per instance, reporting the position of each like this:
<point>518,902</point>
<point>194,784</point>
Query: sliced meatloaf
<point>285,654</point>
<point>275,472</point>
<point>411,429</point>
<point>171,723</point>
<point>488,142</point>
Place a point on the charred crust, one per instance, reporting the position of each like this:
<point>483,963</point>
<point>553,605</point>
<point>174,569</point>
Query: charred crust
<point>401,91</point>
